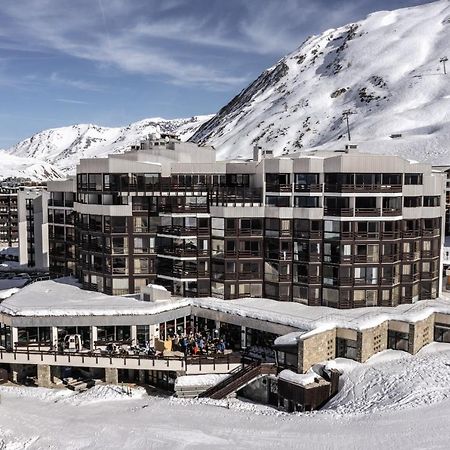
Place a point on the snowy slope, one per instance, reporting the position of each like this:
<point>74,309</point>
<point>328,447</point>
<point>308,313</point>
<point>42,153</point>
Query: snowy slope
<point>26,167</point>
<point>386,69</point>
<point>395,402</point>
<point>63,147</point>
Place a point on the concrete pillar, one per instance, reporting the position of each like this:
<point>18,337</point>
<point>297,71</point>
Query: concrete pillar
<point>141,376</point>
<point>111,375</point>
<point>15,374</point>
<point>14,336</point>
<point>153,332</point>
<point>54,337</point>
<point>165,330</point>
<point>93,336</point>
<point>243,337</point>
<point>44,375</point>
<point>133,335</point>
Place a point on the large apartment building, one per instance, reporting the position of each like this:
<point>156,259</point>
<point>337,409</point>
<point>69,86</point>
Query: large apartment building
<point>336,228</point>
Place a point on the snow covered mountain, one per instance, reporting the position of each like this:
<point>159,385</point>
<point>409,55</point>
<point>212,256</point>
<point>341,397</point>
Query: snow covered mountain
<point>22,167</point>
<point>385,69</point>
<point>61,148</point>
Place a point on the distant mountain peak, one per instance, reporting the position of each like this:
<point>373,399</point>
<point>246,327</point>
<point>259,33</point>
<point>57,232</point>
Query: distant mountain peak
<point>61,148</point>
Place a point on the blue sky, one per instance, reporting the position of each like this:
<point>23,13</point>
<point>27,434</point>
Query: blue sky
<point>112,62</point>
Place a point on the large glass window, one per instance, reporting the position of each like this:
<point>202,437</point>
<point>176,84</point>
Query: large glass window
<point>306,202</point>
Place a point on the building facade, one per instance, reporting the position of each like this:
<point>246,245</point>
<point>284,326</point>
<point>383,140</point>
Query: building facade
<point>32,225</point>
<point>342,229</point>
<point>9,236</point>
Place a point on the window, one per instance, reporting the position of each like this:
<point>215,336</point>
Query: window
<point>392,203</point>
<point>217,226</point>
<point>143,265</point>
<point>366,275</point>
<point>413,178</point>
<point>391,178</point>
<point>367,297</point>
<point>280,202</point>
<point>431,200</point>
<point>412,202</point>
<point>330,297</point>
<point>306,202</point>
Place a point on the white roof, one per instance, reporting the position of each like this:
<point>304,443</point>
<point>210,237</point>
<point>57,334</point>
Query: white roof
<point>56,298</point>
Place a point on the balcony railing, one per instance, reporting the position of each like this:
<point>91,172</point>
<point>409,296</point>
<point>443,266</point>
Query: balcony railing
<point>389,212</point>
<point>367,212</point>
<point>177,230</point>
<point>363,187</point>
<point>278,187</point>
<point>308,187</point>
<point>341,212</point>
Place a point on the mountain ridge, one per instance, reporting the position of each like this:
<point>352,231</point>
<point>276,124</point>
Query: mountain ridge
<point>58,150</point>
<point>385,69</point>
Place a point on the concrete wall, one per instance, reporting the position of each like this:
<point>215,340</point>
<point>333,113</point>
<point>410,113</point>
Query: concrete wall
<point>317,348</point>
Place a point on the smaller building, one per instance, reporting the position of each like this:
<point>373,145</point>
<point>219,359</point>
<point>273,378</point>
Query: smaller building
<point>8,216</point>
<point>32,220</point>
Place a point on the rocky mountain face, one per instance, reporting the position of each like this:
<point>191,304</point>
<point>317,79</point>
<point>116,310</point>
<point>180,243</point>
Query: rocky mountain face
<point>385,70</point>
<point>58,150</point>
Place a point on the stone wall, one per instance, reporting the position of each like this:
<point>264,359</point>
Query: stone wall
<point>372,341</point>
<point>316,348</point>
<point>420,334</point>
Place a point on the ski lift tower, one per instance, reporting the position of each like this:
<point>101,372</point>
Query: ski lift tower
<point>443,60</point>
<point>345,115</point>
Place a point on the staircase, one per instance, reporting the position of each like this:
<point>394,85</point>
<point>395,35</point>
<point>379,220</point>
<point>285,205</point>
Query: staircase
<point>238,378</point>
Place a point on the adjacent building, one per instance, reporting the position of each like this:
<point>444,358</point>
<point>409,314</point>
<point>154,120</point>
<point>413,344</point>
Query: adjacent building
<point>32,225</point>
<point>9,236</point>
<point>336,228</point>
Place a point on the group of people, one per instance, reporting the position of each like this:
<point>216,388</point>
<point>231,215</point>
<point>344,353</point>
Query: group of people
<point>198,344</point>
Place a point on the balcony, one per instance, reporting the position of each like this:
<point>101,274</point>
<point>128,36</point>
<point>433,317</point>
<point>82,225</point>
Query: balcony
<point>410,256</point>
<point>180,273</point>
<point>272,187</point>
<point>363,187</point>
<point>342,212</point>
<point>367,212</point>
<point>250,276</point>
<point>308,187</point>
<point>390,281</point>
<point>410,278</point>
<point>390,258</point>
<point>177,230</point>
<point>431,232</point>
<point>389,212</point>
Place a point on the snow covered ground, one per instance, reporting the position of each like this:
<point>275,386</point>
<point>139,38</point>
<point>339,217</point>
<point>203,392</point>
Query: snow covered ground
<point>393,401</point>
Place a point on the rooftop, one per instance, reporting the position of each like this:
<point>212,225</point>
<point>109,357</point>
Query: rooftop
<point>58,298</point>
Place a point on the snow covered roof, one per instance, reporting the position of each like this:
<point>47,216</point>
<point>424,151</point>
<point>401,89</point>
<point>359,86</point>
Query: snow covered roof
<point>303,379</point>
<point>57,298</point>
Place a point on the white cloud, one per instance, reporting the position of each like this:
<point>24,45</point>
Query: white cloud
<point>171,39</point>
<point>68,100</point>
<point>82,85</point>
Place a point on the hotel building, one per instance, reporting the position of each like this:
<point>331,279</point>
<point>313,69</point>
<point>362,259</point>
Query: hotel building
<point>336,228</point>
